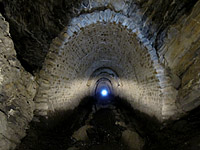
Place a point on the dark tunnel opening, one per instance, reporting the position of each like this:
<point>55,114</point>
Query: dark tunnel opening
<point>115,127</point>
<point>103,93</point>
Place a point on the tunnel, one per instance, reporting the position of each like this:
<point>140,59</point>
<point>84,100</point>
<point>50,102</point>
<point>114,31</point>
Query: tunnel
<point>99,74</point>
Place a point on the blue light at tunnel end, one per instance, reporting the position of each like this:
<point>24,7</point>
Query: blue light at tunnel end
<point>104,92</point>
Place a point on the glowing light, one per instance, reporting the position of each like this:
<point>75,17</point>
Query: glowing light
<point>104,92</point>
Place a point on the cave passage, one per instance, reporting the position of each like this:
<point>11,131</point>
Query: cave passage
<point>99,74</point>
<point>112,125</point>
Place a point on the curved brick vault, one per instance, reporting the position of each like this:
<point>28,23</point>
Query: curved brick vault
<point>104,39</point>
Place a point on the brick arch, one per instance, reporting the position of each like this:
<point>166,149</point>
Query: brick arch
<point>167,97</point>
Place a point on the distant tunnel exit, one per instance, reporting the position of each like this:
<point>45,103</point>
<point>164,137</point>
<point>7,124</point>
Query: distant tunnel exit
<point>103,91</point>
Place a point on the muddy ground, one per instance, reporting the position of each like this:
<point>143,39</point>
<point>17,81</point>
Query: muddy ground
<point>111,126</point>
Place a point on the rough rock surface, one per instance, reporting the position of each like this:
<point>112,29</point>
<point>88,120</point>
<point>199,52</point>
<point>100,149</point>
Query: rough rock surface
<point>181,53</point>
<point>153,46</point>
<point>81,134</point>
<point>50,17</point>
<point>37,22</point>
<point>133,140</point>
<point>107,134</point>
<point>17,89</point>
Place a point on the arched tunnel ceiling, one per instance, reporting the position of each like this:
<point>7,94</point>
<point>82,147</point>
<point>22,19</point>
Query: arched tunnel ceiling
<point>35,24</point>
<point>97,40</point>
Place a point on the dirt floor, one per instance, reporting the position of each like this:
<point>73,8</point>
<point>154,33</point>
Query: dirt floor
<point>113,126</point>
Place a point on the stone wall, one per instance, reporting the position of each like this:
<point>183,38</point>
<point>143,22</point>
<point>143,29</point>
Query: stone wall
<point>17,89</point>
<point>35,23</point>
<point>181,53</point>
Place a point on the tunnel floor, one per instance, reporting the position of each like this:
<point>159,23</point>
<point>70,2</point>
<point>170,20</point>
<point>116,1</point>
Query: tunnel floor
<point>114,126</point>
